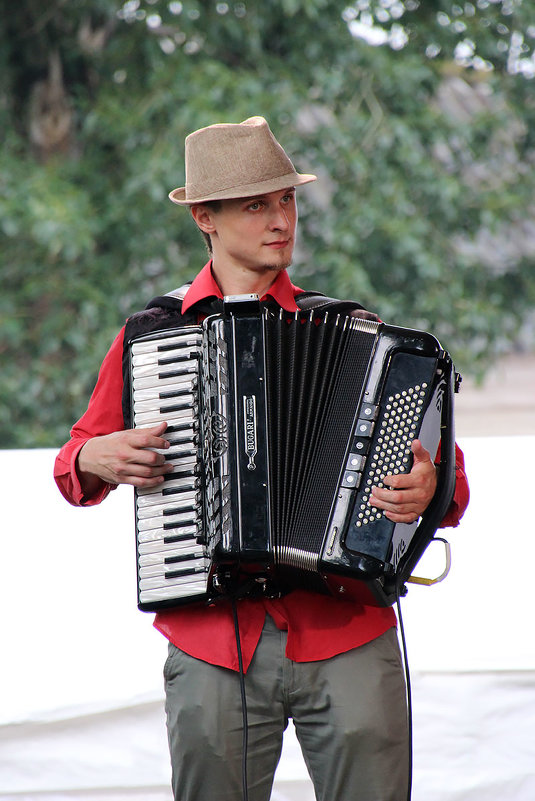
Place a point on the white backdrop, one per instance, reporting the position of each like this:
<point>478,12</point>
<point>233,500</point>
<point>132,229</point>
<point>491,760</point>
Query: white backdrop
<point>81,712</point>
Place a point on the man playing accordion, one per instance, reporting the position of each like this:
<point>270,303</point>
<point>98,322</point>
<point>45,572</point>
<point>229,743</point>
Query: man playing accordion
<point>332,665</point>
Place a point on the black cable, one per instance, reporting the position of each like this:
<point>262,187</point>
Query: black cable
<point>243,700</point>
<point>409,693</point>
<point>245,791</point>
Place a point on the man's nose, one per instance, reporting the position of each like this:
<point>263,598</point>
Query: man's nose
<point>280,220</point>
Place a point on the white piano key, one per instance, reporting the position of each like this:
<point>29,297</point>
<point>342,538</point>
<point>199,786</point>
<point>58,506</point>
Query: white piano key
<point>155,416</point>
<point>162,568</point>
<point>168,356</point>
<point>155,369</point>
<point>168,550</point>
<point>186,449</point>
<point>185,384</point>
<point>196,566</point>
<point>197,586</point>
<point>178,503</point>
<point>149,523</point>
<point>170,389</point>
<point>175,425</point>
<point>180,486</point>
<point>180,449</point>
<point>179,407</point>
<point>157,535</point>
<point>187,339</point>
<point>159,546</point>
<point>180,402</point>
<point>180,461</point>
<point>185,465</point>
<point>161,382</point>
<point>171,482</point>
<point>150,505</point>
<point>187,437</point>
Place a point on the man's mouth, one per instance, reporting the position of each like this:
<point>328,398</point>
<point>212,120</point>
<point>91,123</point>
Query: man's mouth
<point>278,244</point>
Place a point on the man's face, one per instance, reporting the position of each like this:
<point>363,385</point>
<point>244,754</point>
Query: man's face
<point>256,233</point>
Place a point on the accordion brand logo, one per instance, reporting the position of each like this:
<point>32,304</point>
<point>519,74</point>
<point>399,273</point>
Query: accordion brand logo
<point>249,416</point>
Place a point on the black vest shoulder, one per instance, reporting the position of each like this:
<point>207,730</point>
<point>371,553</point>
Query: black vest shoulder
<point>159,314</point>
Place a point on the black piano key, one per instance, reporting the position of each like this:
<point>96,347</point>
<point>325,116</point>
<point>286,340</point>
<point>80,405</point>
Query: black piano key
<point>184,557</point>
<point>167,526</point>
<point>177,490</point>
<point>181,472</point>
<point>174,427</point>
<point>186,571</point>
<point>174,345</point>
<point>190,507</point>
<point>179,454</point>
<point>176,407</point>
<point>174,393</point>
<point>176,358</point>
<point>179,538</point>
<point>174,373</point>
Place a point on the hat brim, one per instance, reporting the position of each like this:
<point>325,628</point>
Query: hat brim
<point>178,196</point>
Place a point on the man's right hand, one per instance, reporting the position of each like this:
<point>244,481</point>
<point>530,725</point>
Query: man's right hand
<point>124,457</point>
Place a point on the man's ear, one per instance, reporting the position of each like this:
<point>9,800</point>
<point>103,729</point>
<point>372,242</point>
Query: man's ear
<point>204,218</point>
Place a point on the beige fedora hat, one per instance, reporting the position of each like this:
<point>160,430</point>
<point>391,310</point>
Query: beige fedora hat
<point>231,160</point>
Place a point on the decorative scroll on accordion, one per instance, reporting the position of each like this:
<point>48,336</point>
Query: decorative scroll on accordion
<point>279,426</point>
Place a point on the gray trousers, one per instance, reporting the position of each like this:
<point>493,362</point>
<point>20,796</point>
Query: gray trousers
<point>349,714</point>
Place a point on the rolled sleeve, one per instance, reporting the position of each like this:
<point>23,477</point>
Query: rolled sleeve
<point>461,495</point>
<point>104,415</point>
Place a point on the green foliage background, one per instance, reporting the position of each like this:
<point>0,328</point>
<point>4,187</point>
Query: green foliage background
<point>406,187</point>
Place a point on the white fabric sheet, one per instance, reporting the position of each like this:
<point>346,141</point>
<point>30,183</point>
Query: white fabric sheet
<point>76,722</point>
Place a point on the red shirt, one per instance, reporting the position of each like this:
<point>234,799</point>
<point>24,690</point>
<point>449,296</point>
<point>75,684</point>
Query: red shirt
<point>319,626</point>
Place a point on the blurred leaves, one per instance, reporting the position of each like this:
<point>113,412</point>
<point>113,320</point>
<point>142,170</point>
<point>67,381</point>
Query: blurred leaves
<point>424,155</point>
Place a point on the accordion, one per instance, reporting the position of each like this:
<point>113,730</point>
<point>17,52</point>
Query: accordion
<point>279,426</point>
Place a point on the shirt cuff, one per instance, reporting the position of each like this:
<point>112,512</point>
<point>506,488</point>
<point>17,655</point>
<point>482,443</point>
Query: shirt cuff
<point>68,481</point>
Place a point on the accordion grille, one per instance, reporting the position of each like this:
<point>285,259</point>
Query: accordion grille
<point>313,372</point>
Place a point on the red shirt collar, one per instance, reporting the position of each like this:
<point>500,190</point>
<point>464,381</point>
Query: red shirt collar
<point>204,286</point>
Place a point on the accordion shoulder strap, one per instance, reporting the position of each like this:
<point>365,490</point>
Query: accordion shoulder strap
<point>171,300</point>
<point>180,292</point>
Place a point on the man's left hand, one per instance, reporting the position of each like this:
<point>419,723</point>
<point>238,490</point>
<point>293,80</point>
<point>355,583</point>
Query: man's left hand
<point>406,496</point>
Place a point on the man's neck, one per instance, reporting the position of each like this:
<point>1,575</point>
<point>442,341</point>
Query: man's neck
<point>244,282</point>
